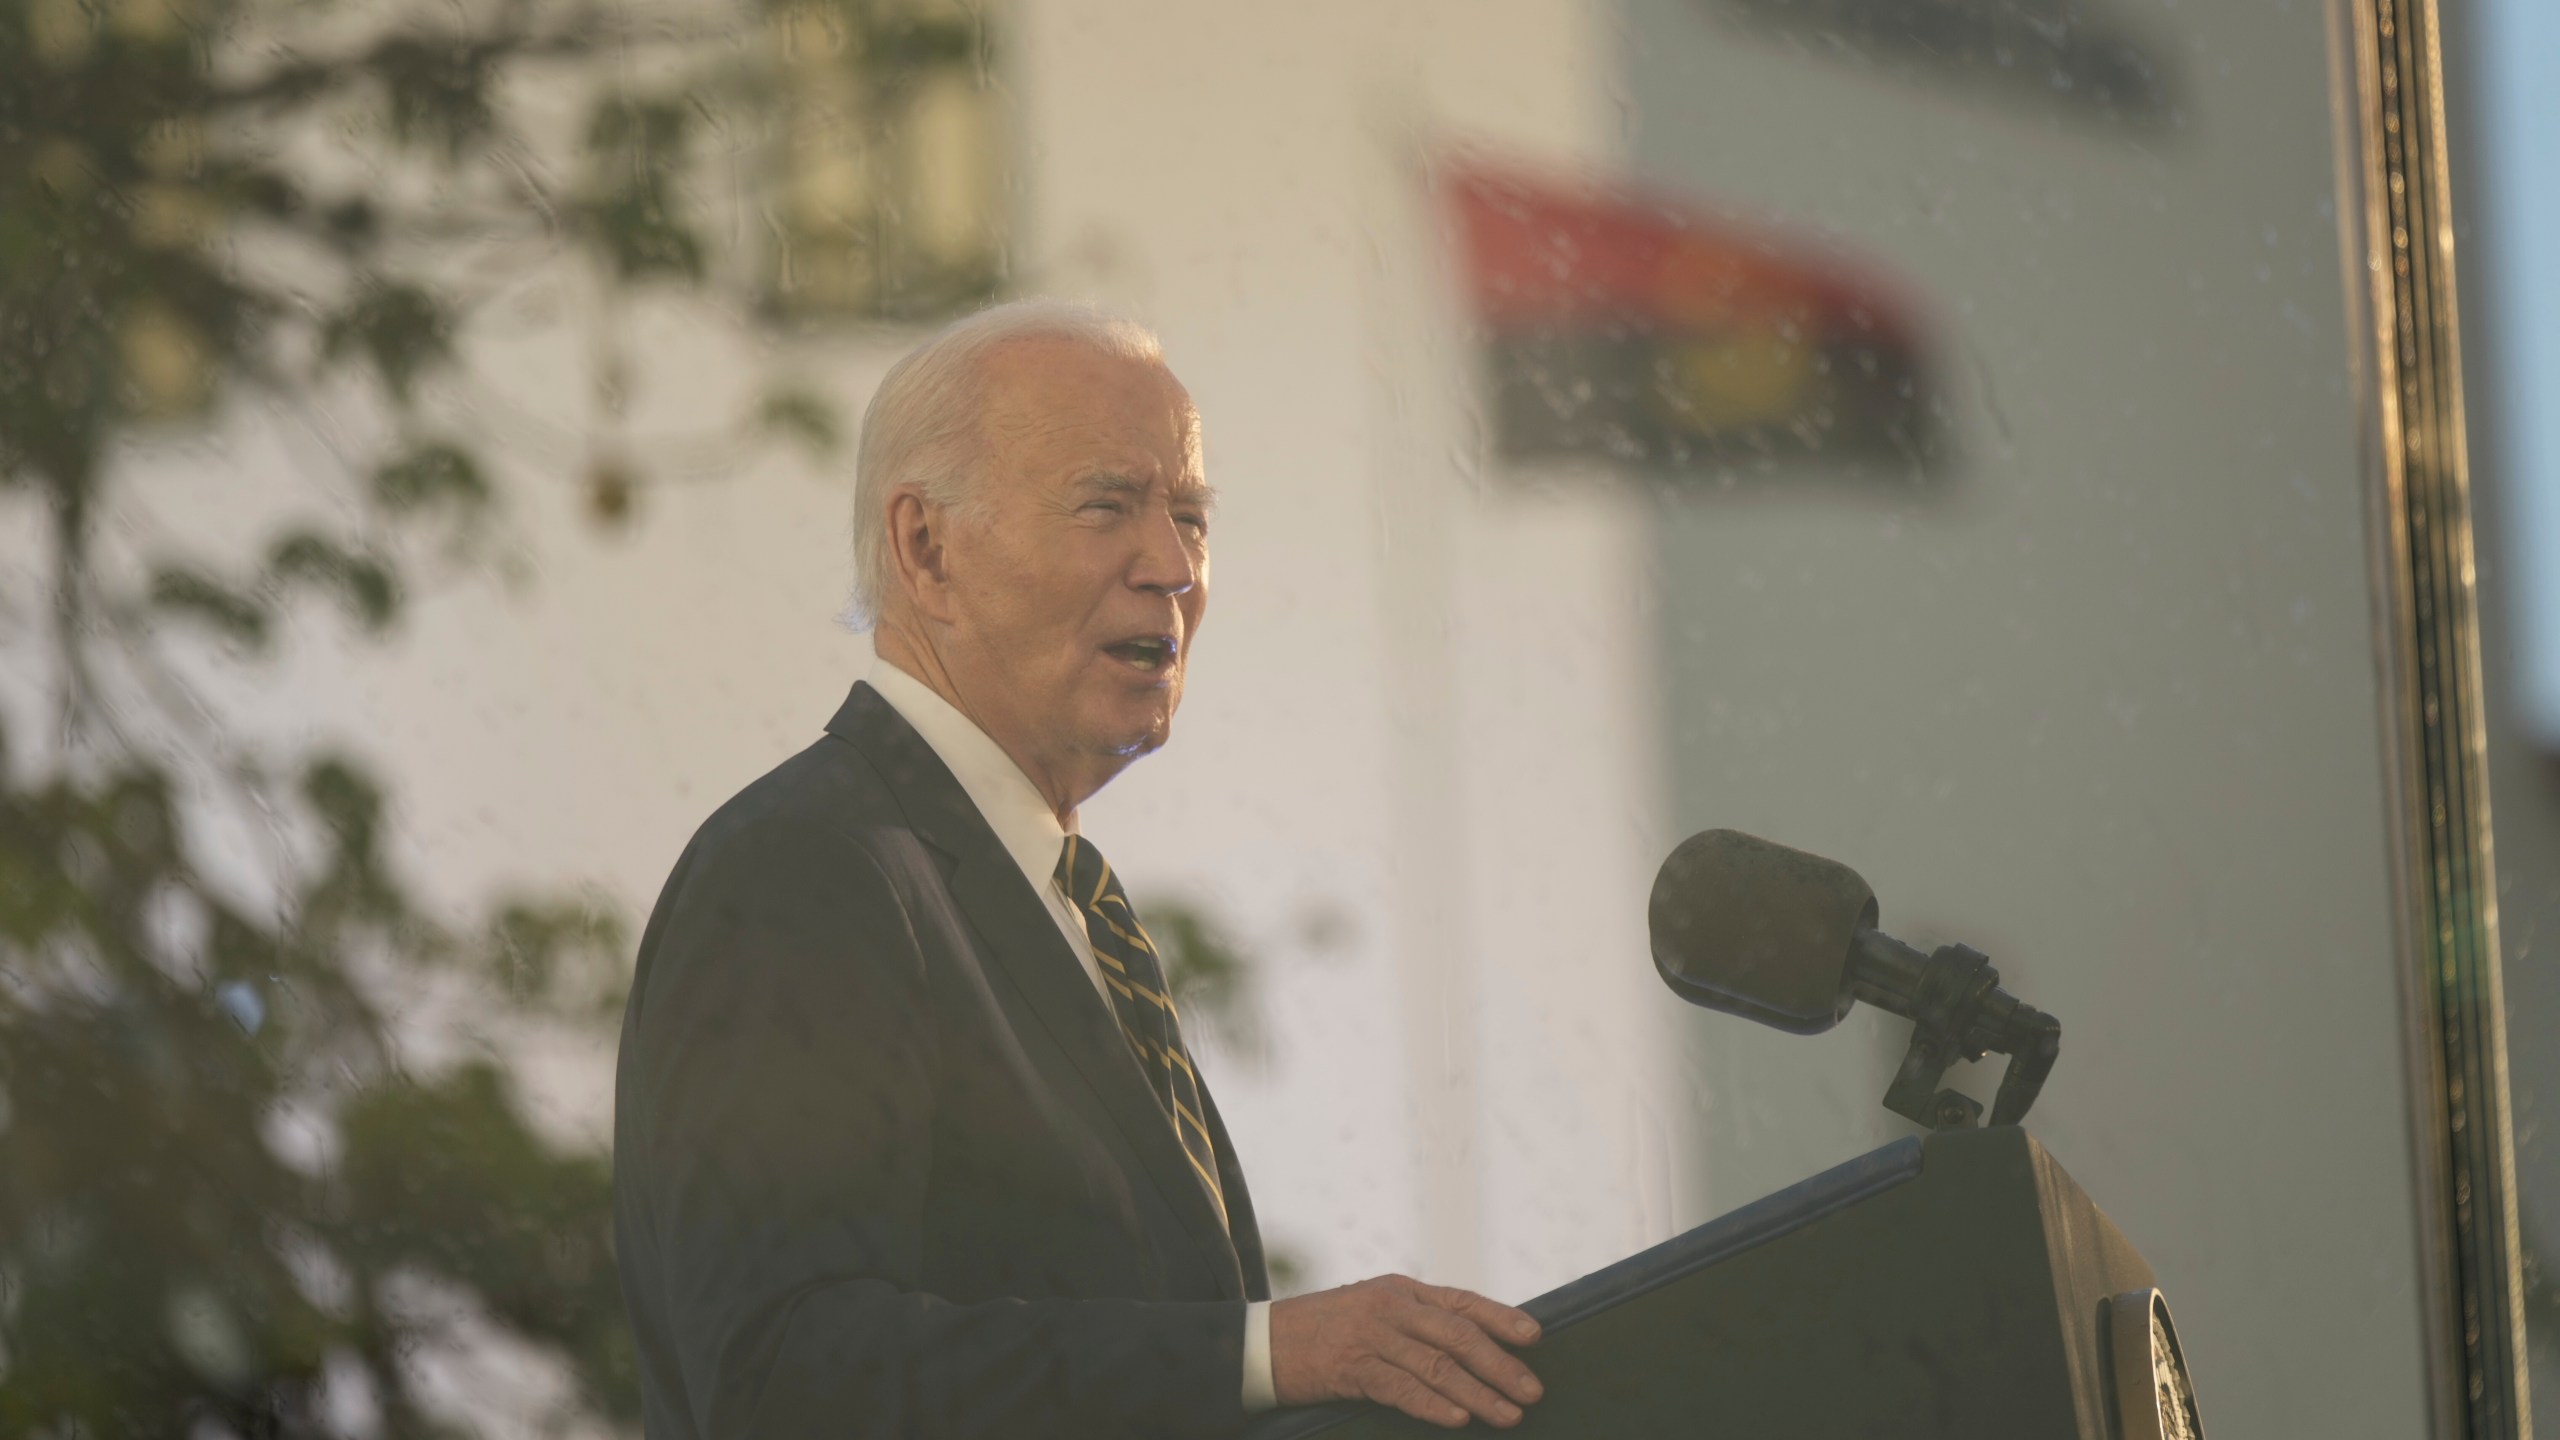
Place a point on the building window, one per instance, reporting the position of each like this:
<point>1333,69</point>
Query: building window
<point>894,156</point>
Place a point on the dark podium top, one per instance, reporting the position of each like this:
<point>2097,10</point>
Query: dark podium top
<point>1957,1284</point>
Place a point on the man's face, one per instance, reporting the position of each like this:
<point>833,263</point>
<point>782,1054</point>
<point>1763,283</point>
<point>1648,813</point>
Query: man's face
<point>1077,584</point>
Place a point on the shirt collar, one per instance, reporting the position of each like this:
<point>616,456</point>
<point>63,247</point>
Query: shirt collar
<point>1005,797</point>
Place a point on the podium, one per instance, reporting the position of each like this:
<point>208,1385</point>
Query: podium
<point>1956,1284</point>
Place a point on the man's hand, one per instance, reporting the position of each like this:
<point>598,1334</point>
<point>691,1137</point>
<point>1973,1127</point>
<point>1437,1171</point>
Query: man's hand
<point>1424,1349</point>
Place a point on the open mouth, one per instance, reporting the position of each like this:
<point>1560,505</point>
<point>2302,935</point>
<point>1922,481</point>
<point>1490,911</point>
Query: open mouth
<point>1150,653</point>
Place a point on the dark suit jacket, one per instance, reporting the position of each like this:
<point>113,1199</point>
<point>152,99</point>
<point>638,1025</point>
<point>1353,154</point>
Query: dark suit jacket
<point>883,1163</point>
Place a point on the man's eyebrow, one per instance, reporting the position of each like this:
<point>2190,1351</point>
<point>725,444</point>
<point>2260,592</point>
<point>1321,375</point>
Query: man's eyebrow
<point>1181,492</point>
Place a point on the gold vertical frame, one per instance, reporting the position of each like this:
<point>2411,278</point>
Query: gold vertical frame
<point>2398,214</point>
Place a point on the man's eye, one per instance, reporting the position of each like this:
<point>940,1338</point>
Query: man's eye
<point>1196,524</point>
<point>1107,507</point>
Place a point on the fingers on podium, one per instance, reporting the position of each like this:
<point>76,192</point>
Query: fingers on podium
<point>1450,1346</point>
<point>1512,1325</point>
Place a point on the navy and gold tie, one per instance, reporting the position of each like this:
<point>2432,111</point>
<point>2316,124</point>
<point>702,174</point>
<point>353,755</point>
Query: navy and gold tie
<point>1144,1007</point>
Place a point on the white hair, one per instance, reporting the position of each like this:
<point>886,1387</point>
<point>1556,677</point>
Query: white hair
<point>921,428</point>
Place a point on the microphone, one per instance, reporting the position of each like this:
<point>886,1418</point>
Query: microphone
<point>1753,928</point>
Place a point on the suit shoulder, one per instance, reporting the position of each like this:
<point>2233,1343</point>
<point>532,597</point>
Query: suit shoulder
<point>811,862</point>
<point>824,811</point>
<point>827,796</point>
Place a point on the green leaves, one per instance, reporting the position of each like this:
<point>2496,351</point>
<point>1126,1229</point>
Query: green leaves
<point>630,211</point>
<point>200,1217</point>
<point>299,561</point>
<point>210,204</point>
<point>565,956</point>
<point>444,1176</point>
<point>397,327</point>
<point>362,584</point>
<point>188,595</point>
<point>436,483</point>
<point>436,87</point>
<point>800,416</point>
<point>431,478</point>
<point>1209,974</point>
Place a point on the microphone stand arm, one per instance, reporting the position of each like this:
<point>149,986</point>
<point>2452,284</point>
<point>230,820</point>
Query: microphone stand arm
<point>1957,1011</point>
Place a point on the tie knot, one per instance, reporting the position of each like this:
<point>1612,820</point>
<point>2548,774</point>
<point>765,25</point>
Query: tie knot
<point>1084,874</point>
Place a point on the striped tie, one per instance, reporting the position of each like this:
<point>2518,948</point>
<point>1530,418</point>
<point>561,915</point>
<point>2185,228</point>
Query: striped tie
<point>1140,1000</point>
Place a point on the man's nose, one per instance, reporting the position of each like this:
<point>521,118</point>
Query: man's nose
<point>1165,563</point>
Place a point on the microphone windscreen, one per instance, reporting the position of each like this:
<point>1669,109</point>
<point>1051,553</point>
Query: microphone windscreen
<point>1758,930</point>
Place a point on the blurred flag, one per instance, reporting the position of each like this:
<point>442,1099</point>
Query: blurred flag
<point>1621,328</point>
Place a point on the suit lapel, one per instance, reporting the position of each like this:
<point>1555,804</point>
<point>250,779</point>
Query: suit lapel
<point>1016,928</point>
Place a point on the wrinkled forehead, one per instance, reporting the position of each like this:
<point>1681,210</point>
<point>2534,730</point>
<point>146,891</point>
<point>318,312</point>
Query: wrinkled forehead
<point>1052,403</point>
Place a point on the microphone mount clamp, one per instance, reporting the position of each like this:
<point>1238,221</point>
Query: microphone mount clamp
<point>1957,1011</point>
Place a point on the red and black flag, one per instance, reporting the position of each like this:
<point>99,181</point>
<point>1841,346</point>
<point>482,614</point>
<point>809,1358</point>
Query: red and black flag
<point>1623,328</point>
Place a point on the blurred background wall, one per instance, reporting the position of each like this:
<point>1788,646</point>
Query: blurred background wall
<point>2101,702</point>
<point>2088,685</point>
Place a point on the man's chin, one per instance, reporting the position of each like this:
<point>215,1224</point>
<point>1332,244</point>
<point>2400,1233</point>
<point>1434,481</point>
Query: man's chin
<point>1135,736</point>
<point>1149,741</point>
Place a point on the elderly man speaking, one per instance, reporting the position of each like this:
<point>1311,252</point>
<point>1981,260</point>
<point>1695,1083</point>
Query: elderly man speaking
<point>908,1140</point>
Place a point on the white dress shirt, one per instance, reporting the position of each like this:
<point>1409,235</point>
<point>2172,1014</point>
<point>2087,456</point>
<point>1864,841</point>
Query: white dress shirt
<point>1029,831</point>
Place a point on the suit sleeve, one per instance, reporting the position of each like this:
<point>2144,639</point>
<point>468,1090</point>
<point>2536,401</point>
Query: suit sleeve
<point>782,1087</point>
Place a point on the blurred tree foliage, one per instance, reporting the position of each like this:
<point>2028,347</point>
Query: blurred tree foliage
<point>226,1206</point>
<point>1209,974</point>
<point>171,1255</point>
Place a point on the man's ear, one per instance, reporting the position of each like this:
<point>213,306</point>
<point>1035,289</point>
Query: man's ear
<point>917,553</point>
